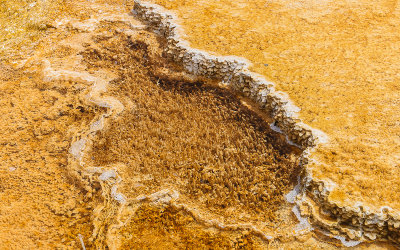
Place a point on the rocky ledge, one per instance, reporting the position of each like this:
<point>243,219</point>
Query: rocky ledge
<point>356,223</point>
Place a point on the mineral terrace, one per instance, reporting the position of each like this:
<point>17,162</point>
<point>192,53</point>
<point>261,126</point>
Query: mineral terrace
<point>199,124</point>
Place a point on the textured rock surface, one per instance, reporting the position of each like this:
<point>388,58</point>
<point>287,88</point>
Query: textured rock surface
<point>68,85</point>
<point>363,134</point>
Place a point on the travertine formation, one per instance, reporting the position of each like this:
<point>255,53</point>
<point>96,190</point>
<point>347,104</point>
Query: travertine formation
<point>232,71</point>
<point>188,139</point>
<point>83,104</point>
<point>356,222</point>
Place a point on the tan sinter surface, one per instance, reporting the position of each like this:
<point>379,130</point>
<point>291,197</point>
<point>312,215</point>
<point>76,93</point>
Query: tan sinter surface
<point>339,62</point>
<point>47,66</point>
<point>47,69</point>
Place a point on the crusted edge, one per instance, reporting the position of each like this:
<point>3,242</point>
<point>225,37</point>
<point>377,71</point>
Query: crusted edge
<point>357,223</point>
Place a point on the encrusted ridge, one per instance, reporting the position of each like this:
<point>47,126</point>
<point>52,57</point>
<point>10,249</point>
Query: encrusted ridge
<point>87,175</point>
<point>232,71</point>
<point>357,224</point>
<point>168,197</point>
<point>108,178</point>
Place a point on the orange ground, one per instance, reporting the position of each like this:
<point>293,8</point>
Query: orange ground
<point>44,202</point>
<point>338,62</point>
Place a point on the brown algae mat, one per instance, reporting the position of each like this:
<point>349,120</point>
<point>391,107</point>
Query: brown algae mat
<point>186,163</point>
<point>197,163</point>
<point>190,136</point>
<point>48,202</point>
<point>336,61</point>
